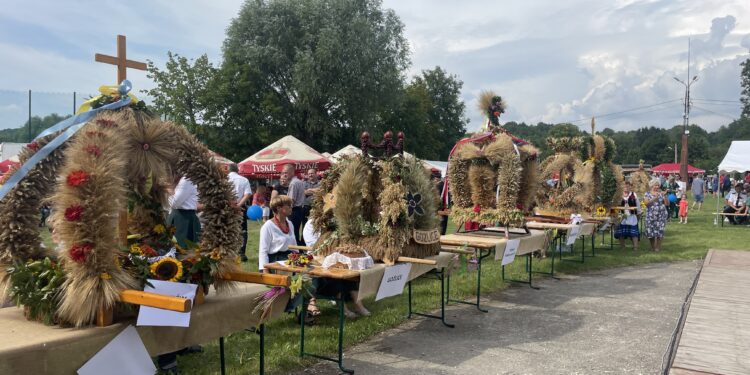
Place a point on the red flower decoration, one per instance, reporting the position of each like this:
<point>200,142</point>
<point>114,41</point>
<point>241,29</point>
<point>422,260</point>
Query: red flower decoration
<point>73,213</point>
<point>33,146</point>
<point>106,123</point>
<point>148,251</point>
<point>496,113</point>
<point>94,150</point>
<point>145,146</point>
<point>77,178</point>
<point>79,253</point>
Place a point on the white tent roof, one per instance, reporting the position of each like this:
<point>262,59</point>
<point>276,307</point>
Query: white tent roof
<point>737,158</point>
<point>347,150</point>
<point>442,166</point>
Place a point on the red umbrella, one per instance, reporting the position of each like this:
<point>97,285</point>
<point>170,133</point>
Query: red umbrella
<point>6,164</point>
<point>288,150</point>
<point>675,168</point>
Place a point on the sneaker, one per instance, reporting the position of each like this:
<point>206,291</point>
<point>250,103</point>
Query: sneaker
<point>362,311</point>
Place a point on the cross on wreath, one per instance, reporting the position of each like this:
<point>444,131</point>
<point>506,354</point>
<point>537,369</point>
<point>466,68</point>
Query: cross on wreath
<point>122,63</point>
<point>121,60</point>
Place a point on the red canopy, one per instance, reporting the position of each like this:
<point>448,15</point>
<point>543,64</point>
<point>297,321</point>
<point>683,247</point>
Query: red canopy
<point>6,164</point>
<point>675,168</point>
<point>288,150</point>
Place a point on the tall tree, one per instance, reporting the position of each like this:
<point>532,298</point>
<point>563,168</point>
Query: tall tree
<point>446,119</point>
<point>182,90</point>
<point>322,70</point>
<point>745,82</point>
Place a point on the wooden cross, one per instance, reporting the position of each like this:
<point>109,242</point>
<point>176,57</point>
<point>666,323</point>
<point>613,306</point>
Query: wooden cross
<point>121,60</point>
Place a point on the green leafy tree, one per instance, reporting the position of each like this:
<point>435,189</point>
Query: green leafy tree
<point>745,82</point>
<point>446,118</point>
<point>183,91</point>
<point>38,124</point>
<point>321,70</point>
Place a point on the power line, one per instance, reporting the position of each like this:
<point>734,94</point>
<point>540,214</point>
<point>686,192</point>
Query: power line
<point>625,111</point>
<point>719,103</point>
<point>716,113</point>
<point>718,100</point>
<point>639,113</point>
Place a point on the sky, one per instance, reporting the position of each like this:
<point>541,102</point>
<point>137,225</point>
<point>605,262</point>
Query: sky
<point>552,61</point>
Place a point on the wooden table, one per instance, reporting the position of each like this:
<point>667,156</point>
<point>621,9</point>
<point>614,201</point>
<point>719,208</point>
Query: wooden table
<point>489,240</point>
<point>32,348</point>
<point>369,282</point>
<point>586,229</point>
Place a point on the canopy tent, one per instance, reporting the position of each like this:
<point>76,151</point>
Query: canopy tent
<point>6,164</point>
<point>675,168</point>
<point>347,150</point>
<point>218,158</point>
<point>441,166</point>
<point>737,158</point>
<point>288,150</point>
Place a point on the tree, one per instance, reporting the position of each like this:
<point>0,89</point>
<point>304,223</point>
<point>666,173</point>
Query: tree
<point>322,70</point>
<point>38,124</point>
<point>182,89</point>
<point>445,116</point>
<point>745,82</point>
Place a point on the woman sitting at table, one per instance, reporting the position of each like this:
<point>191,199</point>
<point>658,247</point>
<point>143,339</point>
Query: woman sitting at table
<point>275,237</point>
<point>628,227</point>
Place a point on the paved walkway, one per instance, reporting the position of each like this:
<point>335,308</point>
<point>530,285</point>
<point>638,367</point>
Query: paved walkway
<point>614,321</point>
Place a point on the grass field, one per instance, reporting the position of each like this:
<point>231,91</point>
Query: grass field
<point>682,242</point>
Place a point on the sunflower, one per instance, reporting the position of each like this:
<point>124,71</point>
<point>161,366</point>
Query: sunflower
<point>601,211</point>
<point>215,255</point>
<point>159,229</point>
<point>168,269</point>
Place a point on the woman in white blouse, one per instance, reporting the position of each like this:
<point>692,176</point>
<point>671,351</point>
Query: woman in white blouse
<point>275,237</point>
<point>276,234</point>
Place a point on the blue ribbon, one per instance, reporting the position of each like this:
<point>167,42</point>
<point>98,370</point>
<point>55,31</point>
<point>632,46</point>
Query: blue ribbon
<point>71,126</point>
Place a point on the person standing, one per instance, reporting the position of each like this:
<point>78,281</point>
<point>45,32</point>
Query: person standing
<point>242,193</point>
<point>672,190</point>
<point>297,193</point>
<point>628,227</point>
<point>183,205</point>
<point>699,190</point>
<point>656,214</point>
<point>281,187</point>
<point>311,187</point>
<point>726,185</point>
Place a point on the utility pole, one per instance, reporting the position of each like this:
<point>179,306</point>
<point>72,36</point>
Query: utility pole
<point>685,120</point>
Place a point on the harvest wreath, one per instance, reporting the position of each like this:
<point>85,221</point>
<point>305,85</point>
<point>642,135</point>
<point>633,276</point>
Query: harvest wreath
<point>377,203</point>
<point>492,175</point>
<point>116,160</point>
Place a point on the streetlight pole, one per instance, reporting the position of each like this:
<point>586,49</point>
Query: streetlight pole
<point>685,121</point>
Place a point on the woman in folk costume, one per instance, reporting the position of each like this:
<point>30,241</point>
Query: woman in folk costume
<point>628,227</point>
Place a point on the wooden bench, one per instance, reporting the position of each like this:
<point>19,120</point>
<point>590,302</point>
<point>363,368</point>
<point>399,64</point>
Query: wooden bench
<point>727,214</point>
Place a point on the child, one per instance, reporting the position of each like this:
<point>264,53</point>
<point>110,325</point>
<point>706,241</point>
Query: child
<point>683,209</point>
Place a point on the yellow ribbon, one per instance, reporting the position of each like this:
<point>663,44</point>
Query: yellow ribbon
<point>105,90</point>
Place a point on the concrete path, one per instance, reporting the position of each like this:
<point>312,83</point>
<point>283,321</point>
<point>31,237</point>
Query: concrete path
<point>616,321</point>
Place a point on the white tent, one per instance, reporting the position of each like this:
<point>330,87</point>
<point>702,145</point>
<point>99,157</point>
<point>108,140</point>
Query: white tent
<point>737,158</point>
<point>442,166</point>
<point>347,150</point>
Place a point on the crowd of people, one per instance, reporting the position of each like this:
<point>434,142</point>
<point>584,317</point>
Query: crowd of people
<point>667,199</point>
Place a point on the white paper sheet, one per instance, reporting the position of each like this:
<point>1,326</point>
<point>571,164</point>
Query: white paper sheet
<point>394,279</point>
<point>511,247</point>
<point>124,355</point>
<point>573,234</point>
<point>151,316</point>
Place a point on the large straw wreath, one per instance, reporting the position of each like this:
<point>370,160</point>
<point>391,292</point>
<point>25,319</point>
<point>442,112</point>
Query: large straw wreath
<point>492,181</point>
<point>113,158</point>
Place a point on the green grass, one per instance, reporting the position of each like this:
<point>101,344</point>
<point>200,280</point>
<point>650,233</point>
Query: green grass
<point>681,242</point>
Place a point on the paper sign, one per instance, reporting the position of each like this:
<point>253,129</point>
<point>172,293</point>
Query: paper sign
<point>124,355</point>
<point>394,279</point>
<point>151,316</point>
<point>510,251</point>
<point>573,234</point>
